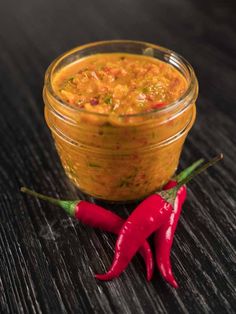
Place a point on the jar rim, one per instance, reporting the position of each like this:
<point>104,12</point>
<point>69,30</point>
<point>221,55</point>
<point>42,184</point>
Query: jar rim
<point>190,92</point>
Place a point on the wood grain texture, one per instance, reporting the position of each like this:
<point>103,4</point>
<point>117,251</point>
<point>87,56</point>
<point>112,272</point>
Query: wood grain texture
<point>47,260</point>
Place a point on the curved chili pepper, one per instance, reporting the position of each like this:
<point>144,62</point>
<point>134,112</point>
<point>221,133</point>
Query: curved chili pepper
<point>143,221</point>
<point>164,236</point>
<point>98,217</point>
<point>147,217</point>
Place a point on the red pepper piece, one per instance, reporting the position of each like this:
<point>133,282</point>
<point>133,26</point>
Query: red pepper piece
<point>164,236</point>
<point>158,105</point>
<point>94,101</point>
<point>143,221</point>
<point>98,217</point>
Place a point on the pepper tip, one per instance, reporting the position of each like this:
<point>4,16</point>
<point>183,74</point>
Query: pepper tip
<point>173,282</point>
<point>175,285</point>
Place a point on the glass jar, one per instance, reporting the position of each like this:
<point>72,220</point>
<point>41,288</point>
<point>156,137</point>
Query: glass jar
<point>125,157</point>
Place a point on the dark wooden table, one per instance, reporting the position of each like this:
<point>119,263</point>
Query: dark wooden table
<point>47,260</point>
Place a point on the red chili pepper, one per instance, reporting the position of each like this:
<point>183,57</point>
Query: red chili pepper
<point>164,236</point>
<point>143,221</point>
<point>98,217</point>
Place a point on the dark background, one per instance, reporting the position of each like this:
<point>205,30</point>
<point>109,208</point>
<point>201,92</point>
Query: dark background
<point>47,260</point>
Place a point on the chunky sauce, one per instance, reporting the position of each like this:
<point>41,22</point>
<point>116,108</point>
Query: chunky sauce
<point>119,84</point>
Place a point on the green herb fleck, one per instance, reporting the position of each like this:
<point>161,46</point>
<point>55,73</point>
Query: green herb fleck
<point>145,90</point>
<point>70,79</point>
<point>108,99</point>
<point>123,183</point>
<point>93,165</point>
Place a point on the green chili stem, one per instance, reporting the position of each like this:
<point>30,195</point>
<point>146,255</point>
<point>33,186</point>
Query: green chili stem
<point>199,170</point>
<point>187,171</point>
<point>170,195</point>
<point>68,206</point>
